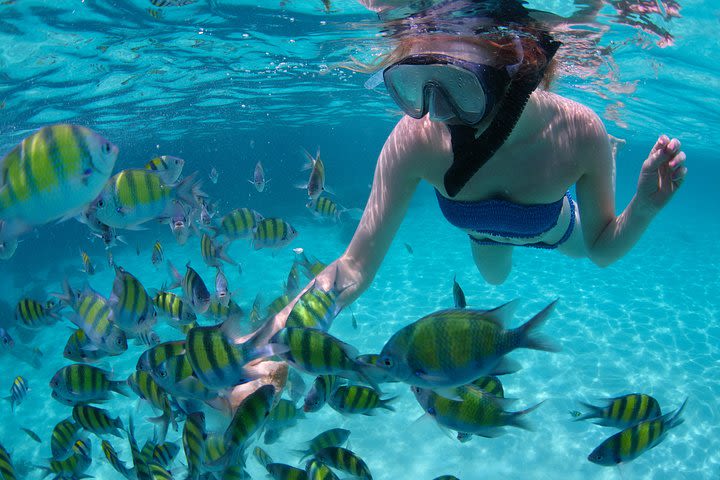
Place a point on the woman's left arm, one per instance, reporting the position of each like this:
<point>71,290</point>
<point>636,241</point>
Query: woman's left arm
<point>609,237</point>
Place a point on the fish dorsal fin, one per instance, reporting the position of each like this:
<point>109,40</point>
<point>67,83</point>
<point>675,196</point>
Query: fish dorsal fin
<point>502,314</point>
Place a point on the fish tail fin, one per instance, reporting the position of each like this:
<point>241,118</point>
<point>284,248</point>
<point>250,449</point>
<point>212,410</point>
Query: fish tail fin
<point>163,421</point>
<point>527,336</point>
<point>177,278</point>
<point>189,189</point>
<point>66,296</point>
<point>674,420</point>
<point>595,412</point>
<point>517,419</point>
<point>222,253</point>
<point>385,403</point>
<point>119,386</point>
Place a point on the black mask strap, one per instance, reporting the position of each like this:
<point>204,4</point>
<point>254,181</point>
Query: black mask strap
<point>470,153</point>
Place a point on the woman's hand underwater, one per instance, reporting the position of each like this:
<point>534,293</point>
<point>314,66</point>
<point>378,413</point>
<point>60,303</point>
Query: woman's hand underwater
<point>661,175</point>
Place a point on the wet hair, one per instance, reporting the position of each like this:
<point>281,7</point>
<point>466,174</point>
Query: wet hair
<point>503,48</point>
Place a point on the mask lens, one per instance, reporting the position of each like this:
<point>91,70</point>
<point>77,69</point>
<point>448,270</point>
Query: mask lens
<point>411,86</point>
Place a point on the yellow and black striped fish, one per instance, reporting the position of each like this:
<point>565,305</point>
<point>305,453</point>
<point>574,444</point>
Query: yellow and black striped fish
<point>262,457</point>
<point>239,223</point>
<point>85,384</point>
<point>134,311</point>
<point>63,437</point>
<point>623,411</point>
<point>115,462</point>
<point>215,451</point>
<point>217,361</point>
<point>316,470</point>
<point>319,353</point>
<point>135,196</point>
<point>88,267</point>
<point>335,437</point>
<point>636,440</point>
<point>73,466</point>
<point>420,354</point>
<point>18,392</point>
<point>94,315</point>
<point>212,253</point>
<point>145,386</point>
<point>174,307</point>
<point>345,460</point>
<point>249,417</point>
<point>7,471</point>
<point>96,420</point>
<point>157,254</point>
<point>324,208</point>
<point>358,399</point>
<point>165,453</point>
<point>33,315</point>
<point>273,233</point>
<point>52,173</point>
<point>315,309</point>
<point>472,411</point>
<point>195,290</point>
<point>193,439</point>
<point>168,167</point>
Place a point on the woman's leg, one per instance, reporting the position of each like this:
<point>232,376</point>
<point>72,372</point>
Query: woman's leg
<point>493,261</point>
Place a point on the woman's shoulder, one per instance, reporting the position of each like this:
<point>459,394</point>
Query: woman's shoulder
<point>582,119</point>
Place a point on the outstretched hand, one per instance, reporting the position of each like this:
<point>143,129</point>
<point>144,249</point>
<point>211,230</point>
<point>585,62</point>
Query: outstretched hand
<point>662,174</point>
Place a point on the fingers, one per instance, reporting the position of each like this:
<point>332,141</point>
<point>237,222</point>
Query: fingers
<point>663,151</point>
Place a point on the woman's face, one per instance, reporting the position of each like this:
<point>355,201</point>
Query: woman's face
<point>439,109</point>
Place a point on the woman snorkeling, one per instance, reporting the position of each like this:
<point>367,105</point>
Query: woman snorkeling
<point>502,153</point>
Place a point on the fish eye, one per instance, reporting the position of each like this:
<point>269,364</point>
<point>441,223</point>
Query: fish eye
<point>106,148</point>
<point>431,410</point>
<point>101,203</point>
<point>386,361</point>
<point>119,341</point>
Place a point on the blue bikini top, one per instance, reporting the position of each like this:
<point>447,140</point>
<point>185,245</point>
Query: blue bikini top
<point>502,217</point>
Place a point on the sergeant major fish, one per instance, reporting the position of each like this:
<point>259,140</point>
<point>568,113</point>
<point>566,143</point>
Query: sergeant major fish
<point>273,233</point>
<point>624,411</point>
<point>53,173</point>
<point>420,354</point>
<point>134,196</point>
<point>632,442</point>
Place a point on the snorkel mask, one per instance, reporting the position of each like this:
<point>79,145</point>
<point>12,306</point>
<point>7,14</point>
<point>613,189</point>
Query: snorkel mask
<point>445,87</point>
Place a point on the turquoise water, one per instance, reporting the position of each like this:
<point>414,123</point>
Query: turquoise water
<point>242,81</point>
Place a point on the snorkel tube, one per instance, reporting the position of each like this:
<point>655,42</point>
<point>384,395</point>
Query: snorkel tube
<point>470,153</point>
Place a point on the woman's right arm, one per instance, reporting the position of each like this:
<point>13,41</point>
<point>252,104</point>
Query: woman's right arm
<point>397,174</point>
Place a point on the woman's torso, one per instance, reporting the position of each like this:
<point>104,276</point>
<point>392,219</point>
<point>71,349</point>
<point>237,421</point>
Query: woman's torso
<point>537,165</point>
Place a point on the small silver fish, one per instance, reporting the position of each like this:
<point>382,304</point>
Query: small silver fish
<point>213,175</point>
<point>6,341</point>
<point>259,177</point>
<point>221,288</point>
